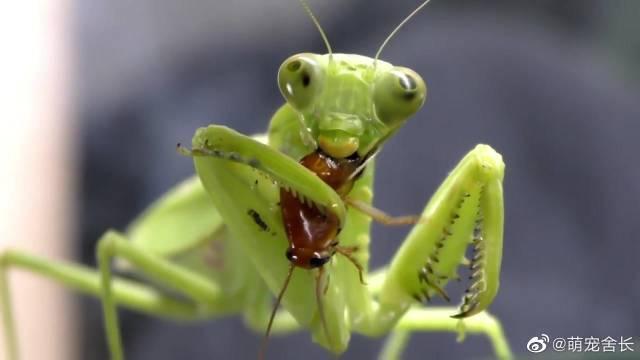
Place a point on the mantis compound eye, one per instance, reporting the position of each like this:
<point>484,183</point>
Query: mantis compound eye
<point>300,78</point>
<point>398,94</point>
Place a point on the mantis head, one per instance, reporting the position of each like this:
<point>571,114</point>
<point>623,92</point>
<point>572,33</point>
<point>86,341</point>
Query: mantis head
<point>350,104</point>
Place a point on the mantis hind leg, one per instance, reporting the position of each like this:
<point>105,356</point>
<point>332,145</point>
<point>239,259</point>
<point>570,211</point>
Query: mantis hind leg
<point>439,320</point>
<point>83,279</point>
<point>195,286</point>
<point>127,293</point>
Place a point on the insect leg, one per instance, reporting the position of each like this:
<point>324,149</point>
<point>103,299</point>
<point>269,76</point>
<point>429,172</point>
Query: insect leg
<point>111,245</point>
<point>86,280</point>
<point>347,253</point>
<point>394,345</point>
<point>319,294</point>
<point>379,215</point>
<point>438,319</point>
<point>467,210</point>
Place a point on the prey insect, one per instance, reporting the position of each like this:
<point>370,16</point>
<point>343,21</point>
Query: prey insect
<point>304,192</point>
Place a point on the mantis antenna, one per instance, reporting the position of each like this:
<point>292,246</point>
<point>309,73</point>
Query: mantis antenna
<point>384,43</point>
<point>306,7</point>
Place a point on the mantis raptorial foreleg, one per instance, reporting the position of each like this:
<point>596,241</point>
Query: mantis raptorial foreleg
<point>466,208</point>
<point>221,142</point>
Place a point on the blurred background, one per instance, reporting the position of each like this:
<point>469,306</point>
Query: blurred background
<point>552,85</point>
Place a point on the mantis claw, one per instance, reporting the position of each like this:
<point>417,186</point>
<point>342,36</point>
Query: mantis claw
<point>465,212</point>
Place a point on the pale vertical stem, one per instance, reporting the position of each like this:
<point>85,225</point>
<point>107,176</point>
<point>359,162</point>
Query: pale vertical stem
<point>36,172</point>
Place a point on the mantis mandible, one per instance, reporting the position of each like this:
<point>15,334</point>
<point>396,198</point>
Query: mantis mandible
<point>219,238</point>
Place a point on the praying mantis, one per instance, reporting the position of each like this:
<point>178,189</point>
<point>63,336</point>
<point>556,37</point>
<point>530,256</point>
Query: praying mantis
<point>218,239</point>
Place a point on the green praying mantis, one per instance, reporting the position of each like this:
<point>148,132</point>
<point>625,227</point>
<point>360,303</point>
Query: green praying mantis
<point>219,238</point>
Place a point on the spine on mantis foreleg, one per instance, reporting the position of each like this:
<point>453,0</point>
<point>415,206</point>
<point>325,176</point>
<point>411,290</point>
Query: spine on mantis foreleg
<point>224,143</point>
<point>466,209</point>
<point>487,258</point>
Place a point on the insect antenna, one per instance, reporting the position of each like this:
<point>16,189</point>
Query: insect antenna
<point>384,43</point>
<point>306,7</point>
<point>364,164</point>
<point>319,293</point>
<point>263,346</point>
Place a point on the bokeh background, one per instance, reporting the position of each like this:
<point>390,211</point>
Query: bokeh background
<point>552,85</point>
